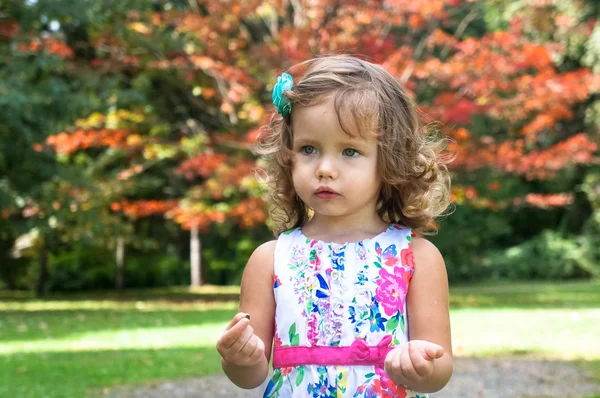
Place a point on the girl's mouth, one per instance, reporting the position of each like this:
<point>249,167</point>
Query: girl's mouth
<point>326,193</point>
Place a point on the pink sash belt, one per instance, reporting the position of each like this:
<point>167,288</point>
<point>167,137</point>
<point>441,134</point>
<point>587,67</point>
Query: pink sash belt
<point>359,353</point>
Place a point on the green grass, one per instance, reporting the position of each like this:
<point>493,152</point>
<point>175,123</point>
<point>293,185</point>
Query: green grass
<point>570,295</point>
<point>542,319</point>
<point>60,348</point>
<point>72,345</point>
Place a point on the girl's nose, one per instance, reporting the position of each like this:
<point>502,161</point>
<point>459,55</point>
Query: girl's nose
<point>326,168</point>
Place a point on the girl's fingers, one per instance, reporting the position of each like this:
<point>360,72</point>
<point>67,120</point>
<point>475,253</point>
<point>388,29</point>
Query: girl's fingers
<point>258,352</point>
<point>406,365</point>
<point>422,366</point>
<point>252,352</point>
<point>260,349</point>
<point>390,360</point>
<point>241,342</point>
<point>433,351</point>
<point>231,336</point>
<point>393,364</point>
<point>248,349</point>
<point>235,320</point>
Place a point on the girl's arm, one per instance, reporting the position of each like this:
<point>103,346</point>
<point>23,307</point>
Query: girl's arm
<point>425,363</point>
<point>257,300</point>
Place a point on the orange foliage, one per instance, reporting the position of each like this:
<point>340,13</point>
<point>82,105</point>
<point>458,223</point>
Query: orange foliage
<point>50,44</point>
<point>547,201</point>
<point>510,156</point>
<point>66,143</point>
<point>249,212</point>
<point>201,165</point>
<point>507,78</point>
<point>193,217</point>
<point>143,208</point>
<point>548,118</point>
<point>536,56</point>
<point>502,75</point>
<point>253,135</point>
<point>227,176</point>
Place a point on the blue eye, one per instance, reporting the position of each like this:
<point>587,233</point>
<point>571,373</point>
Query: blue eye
<point>308,150</point>
<point>350,152</point>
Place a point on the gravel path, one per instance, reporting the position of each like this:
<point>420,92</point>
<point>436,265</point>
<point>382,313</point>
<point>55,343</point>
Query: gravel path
<point>473,378</point>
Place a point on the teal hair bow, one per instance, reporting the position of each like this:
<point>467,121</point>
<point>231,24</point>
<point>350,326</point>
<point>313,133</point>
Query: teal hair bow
<point>283,105</point>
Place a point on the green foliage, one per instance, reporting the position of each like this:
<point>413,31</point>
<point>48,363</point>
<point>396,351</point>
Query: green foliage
<point>547,256</point>
<point>81,267</point>
<point>118,49</point>
<point>226,251</point>
<point>462,236</point>
<point>13,272</point>
<point>156,269</point>
<point>93,268</point>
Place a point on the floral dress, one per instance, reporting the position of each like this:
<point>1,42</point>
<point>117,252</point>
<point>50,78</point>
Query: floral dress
<point>335,295</point>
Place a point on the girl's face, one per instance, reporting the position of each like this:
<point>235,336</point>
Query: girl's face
<point>334,174</point>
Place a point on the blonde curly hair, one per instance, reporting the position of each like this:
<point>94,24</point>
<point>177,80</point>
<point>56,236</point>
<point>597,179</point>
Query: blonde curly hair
<point>415,179</point>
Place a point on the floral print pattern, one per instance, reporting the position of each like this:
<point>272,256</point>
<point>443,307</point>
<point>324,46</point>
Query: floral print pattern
<point>392,289</point>
<point>330,294</point>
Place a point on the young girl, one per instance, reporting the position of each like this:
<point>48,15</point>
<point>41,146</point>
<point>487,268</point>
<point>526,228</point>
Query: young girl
<point>353,302</point>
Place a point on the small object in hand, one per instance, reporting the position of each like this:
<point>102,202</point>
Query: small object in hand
<point>248,316</point>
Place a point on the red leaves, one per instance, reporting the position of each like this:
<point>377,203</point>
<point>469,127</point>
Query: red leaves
<point>541,121</point>
<point>536,56</point>
<point>201,165</point>
<point>511,157</point>
<point>65,143</point>
<point>143,208</point>
<point>50,44</point>
<point>547,201</point>
<point>9,28</point>
<point>459,112</point>
<point>544,164</point>
<point>200,217</point>
<point>249,212</point>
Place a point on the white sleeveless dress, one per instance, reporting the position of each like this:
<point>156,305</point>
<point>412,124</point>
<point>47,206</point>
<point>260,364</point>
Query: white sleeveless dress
<point>331,295</point>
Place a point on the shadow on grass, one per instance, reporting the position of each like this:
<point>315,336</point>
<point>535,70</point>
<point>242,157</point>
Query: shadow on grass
<point>75,374</point>
<point>55,324</point>
<point>173,294</point>
<point>501,294</point>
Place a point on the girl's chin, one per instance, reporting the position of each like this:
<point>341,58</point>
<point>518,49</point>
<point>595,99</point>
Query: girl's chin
<point>329,211</point>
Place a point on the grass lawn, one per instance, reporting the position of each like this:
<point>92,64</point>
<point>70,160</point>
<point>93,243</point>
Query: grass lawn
<point>70,346</point>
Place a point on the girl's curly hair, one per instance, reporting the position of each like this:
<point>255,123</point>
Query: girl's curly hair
<point>415,180</point>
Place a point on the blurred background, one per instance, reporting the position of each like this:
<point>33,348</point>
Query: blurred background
<point>128,204</point>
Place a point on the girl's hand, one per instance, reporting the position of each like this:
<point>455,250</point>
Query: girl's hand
<point>239,345</point>
<point>412,362</point>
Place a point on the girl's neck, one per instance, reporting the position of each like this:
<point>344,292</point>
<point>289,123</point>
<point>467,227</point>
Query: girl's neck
<point>343,229</point>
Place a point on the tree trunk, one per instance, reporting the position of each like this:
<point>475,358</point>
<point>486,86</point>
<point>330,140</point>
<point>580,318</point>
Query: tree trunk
<point>195,258</point>
<point>120,257</point>
<point>40,288</point>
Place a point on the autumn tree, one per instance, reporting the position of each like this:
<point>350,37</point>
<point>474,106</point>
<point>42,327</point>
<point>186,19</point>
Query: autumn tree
<point>183,87</point>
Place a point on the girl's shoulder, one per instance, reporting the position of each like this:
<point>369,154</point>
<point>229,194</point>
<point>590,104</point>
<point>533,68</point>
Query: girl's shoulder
<point>428,259</point>
<point>263,255</point>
